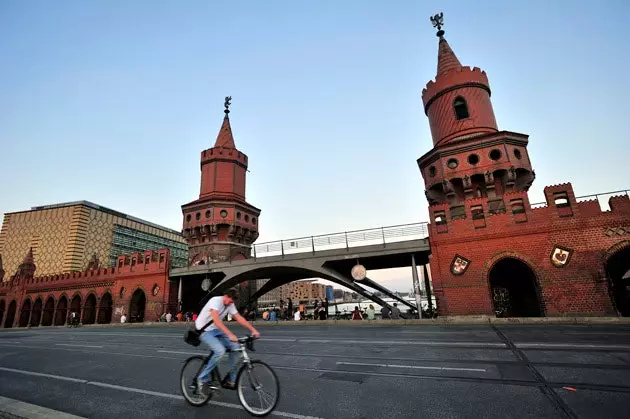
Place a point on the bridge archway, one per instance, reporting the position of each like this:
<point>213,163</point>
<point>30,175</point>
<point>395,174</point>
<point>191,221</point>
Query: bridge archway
<point>25,313</point>
<point>286,274</point>
<point>49,311</point>
<point>10,317</point>
<point>137,306</point>
<point>514,289</point>
<point>89,310</point>
<point>2,309</point>
<point>105,309</point>
<point>62,311</point>
<point>618,271</point>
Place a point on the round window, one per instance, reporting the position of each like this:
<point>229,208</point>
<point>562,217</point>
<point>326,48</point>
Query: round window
<point>223,213</point>
<point>517,154</point>
<point>495,154</point>
<point>238,215</point>
<point>246,218</point>
<point>197,216</point>
<point>432,171</point>
<point>253,220</point>
<point>208,214</point>
<point>473,159</point>
<point>452,163</point>
<point>188,218</point>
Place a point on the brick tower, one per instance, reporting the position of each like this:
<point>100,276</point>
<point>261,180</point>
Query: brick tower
<point>221,226</point>
<point>492,252</point>
<point>470,157</point>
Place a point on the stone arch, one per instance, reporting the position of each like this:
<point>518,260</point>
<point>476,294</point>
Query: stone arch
<point>25,313</point>
<point>36,312</point>
<point>514,285</point>
<point>616,261</point>
<point>137,305</point>
<point>2,310</point>
<point>89,309</point>
<point>10,317</point>
<point>75,304</point>
<point>293,273</point>
<point>49,311</point>
<point>61,311</point>
<point>105,308</point>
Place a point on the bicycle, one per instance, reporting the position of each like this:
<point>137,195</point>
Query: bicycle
<point>245,366</point>
<point>73,323</point>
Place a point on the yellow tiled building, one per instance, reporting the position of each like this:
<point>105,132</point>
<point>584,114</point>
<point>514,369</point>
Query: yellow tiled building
<point>64,237</point>
<point>304,291</point>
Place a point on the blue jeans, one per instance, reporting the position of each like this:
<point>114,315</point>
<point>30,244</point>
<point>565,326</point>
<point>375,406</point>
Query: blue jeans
<point>218,342</point>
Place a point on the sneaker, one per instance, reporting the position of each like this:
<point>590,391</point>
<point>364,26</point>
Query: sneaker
<point>230,385</point>
<point>215,385</point>
<point>203,388</point>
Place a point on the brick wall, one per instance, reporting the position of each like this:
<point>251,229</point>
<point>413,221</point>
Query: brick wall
<point>579,287</point>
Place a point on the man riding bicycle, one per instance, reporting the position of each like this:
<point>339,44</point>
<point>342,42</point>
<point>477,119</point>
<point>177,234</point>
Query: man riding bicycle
<point>219,338</point>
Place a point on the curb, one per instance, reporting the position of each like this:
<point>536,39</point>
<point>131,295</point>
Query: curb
<point>441,321</point>
<point>17,409</point>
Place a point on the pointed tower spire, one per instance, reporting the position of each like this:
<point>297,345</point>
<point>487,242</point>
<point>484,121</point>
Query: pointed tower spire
<point>447,60</point>
<point>225,138</point>
<point>27,267</point>
<point>29,259</point>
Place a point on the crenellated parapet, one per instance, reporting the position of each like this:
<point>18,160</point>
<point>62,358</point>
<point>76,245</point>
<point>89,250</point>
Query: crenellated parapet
<point>513,214</point>
<point>132,265</point>
<point>461,77</point>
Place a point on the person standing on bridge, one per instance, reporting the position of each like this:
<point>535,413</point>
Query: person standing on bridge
<point>219,338</point>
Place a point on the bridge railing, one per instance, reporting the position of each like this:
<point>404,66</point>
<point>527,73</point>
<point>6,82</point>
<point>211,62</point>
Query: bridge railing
<point>345,240</point>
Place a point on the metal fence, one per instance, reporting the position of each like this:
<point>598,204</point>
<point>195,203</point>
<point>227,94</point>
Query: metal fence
<point>345,240</point>
<point>602,198</point>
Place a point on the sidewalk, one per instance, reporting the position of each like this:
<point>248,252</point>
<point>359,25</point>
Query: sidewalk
<point>441,321</point>
<point>15,409</point>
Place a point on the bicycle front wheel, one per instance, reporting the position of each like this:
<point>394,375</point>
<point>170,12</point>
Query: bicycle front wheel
<point>258,388</point>
<point>188,381</point>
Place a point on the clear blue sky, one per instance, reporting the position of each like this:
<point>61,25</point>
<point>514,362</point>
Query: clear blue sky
<point>112,101</point>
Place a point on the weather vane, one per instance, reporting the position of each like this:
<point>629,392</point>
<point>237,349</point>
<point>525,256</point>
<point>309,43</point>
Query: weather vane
<point>438,22</point>
<point>228,99</point>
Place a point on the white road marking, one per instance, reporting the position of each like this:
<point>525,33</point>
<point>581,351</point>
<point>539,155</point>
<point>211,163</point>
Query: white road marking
<point>571,346</point>
<point>413,367</point>
<point>80,346</point>
<point>39,374</point>
<point>406,342</point>
<point>10,341</point>
<point>148,392</point>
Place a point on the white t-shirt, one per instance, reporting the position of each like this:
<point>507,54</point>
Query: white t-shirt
<point>215,303</point>
<point>297,316</point>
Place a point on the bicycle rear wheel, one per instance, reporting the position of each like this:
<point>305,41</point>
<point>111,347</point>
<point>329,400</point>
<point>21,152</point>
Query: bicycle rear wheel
<point>257,384</point>
<point>188,381</point>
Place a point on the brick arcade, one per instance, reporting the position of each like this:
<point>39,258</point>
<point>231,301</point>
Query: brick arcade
<point>137,287</point>
<point>491,251</point>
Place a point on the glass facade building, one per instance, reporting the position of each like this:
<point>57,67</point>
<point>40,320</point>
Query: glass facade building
<point>127,240</point>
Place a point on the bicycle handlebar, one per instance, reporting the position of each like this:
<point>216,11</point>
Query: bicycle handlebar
<point>248,341</point>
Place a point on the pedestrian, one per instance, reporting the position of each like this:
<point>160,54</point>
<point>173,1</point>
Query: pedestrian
<point>395,312</point>
<point>289,308</point>
<point>356,314</point>
<point>370,312</point>
<point>385,313</point>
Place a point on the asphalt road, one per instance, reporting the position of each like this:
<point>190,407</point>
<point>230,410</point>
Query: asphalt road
<point>511,371</point>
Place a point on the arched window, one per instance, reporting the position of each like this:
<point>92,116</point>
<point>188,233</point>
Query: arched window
<point>461,108</point>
